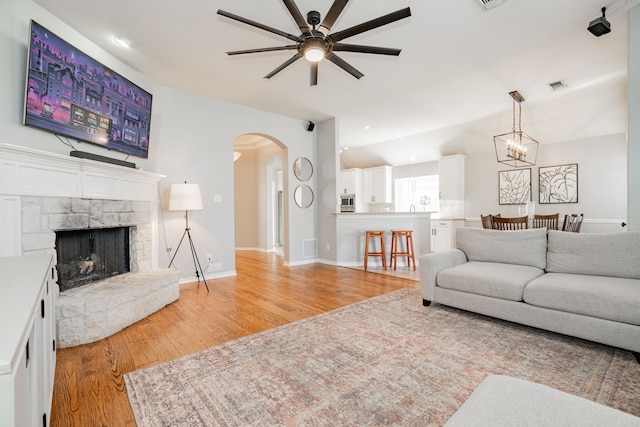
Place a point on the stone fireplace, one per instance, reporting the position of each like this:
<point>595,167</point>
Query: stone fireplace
<point>43,193</point>
<point>45,218</point>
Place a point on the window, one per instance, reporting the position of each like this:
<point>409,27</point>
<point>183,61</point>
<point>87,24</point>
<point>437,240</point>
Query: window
<point>419,193</point>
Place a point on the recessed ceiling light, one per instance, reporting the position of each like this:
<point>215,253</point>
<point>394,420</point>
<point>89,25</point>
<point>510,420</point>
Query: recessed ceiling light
<point>345,148</point>
<point>122,42</point>
<point>367,127</point>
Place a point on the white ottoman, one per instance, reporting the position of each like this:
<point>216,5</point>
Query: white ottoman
<point>506,401</point>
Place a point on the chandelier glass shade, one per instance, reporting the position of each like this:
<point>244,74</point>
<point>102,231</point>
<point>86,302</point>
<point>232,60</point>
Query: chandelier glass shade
<point>516,148</point>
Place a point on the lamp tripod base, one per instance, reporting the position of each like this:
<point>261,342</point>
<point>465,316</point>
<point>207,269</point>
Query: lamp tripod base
<point>196,261</point>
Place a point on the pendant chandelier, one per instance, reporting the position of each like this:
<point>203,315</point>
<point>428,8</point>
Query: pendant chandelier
<point>516,148</point>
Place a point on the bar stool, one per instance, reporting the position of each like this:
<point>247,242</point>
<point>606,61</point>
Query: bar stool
<point>373,234</point>
<point>396,239</point>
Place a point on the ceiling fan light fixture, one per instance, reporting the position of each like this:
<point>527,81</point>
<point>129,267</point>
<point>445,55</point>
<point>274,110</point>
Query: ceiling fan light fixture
<point>316,41</point>
<point>314,50</point>
<point>314,54</point>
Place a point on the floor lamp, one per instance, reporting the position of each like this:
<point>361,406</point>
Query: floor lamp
<point>186,197</point>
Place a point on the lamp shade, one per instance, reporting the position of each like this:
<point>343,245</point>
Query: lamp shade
<point>185,197</point>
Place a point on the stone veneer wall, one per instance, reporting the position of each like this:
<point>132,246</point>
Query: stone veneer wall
<point>43,216</point>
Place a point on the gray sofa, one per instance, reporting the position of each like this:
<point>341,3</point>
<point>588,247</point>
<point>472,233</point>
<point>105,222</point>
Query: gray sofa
<point>584,285</point>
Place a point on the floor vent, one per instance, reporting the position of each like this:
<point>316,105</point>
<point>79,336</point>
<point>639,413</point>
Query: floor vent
<point>309,248</point>
<point>490,4</point>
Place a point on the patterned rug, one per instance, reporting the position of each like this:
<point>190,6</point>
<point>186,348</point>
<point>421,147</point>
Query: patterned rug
<point>384,361</point>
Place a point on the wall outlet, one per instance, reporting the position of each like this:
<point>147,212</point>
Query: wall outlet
<point>328,247</point>
<point>209,258</point>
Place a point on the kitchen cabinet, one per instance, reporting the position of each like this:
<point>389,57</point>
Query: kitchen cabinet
<point>377,184</point>
<point>443,233</point>
<point>28,352</point>
<point>351,181</point>
<point>451,177</point>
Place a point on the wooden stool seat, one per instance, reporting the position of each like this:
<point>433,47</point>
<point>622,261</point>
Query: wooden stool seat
<point>396,238</point>
<point>374,234</point>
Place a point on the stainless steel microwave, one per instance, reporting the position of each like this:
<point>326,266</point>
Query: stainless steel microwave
<point>347,203</point>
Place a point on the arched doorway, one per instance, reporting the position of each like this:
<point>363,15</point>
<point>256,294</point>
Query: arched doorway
<point>259,194</point>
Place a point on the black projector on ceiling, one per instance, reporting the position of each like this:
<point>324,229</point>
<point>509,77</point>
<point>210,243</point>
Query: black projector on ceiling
<point>599,26</point>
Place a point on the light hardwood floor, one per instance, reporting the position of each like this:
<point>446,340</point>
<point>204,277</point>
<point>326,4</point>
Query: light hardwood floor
<point>89,388</point>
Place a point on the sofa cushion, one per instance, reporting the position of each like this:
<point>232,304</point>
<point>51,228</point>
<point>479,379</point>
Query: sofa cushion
<point>504,281</point>
<point>610,298</point>
<point>523,247</point>
<point>600,254</point>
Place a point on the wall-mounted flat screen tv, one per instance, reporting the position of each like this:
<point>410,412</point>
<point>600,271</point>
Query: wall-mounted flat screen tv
<point>71,94</point>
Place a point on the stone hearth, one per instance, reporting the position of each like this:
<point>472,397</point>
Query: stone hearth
<point>92,312</point>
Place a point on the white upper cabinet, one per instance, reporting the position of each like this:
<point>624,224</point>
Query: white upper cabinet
<point>451,177</point>
<point>351,181</point>
<point>377,185</point>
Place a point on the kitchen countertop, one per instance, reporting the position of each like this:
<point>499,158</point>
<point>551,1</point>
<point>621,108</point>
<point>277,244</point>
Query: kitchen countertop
<point>383,214</point>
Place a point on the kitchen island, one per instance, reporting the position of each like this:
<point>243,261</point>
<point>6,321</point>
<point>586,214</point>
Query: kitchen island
<point>351,229</point>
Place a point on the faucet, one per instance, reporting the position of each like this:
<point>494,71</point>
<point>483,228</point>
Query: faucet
<point>412,208</point>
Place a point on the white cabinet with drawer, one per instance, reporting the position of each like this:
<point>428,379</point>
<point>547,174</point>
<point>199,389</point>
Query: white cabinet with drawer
<point>443,233</point>
<point>27,337</point>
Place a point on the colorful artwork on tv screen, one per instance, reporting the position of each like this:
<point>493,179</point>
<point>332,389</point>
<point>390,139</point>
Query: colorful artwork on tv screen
<point>71,94</point>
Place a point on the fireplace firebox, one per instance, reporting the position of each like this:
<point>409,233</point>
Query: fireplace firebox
<point>89,255</point>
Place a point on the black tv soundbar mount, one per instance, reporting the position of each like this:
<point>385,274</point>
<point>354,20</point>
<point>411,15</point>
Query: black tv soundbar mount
<point>91,156</point>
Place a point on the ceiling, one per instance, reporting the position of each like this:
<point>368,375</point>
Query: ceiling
<point>449,85</point>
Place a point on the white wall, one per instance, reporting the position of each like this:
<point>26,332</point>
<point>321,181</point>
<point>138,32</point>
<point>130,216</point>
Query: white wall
<point>269,161</point>
<point>602,182</point>
<point>196,144</point>
<point>191,140</point>
<point>328,171</point>
<point>633,97</point>
<point>246,200</point>
<point>418,169</point>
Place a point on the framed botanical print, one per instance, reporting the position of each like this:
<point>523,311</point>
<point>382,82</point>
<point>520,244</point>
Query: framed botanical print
<point>514,186</point>
<point>558,184</point>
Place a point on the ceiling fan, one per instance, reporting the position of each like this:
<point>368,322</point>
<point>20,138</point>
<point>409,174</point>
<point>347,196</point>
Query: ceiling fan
<point>315,43</point>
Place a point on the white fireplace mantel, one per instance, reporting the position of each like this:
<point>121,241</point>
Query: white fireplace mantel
<point>25,172</point>
<point>29,172</point>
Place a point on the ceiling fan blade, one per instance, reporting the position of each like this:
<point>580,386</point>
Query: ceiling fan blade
<point>370,25</point>
<point>344,65</point>
<point>258,25</point>
<point>343,47</point>
<point>330,18</point>
<point>290,61</point>
<point>297,16</point>
<point>263,49</point>
<point>314,74</point>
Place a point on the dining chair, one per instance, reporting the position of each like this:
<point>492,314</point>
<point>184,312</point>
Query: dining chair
<point>487,220</point>
<point>572,223</point>
<point>517,223</point>
<point>548,221</point>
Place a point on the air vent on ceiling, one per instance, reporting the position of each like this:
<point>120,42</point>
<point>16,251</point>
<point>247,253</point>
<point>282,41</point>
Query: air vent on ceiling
<point>560,84</point>
<point>490,4</point>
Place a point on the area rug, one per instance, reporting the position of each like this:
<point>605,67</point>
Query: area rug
<point>384,361</point>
